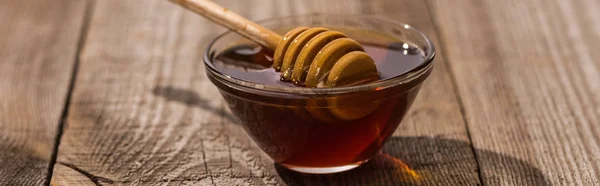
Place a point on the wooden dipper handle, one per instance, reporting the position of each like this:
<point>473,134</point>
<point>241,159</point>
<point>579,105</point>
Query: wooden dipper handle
<point>233,21</point>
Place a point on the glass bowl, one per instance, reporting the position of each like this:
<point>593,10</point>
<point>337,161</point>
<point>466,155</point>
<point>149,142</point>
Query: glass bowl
<point>297,126</point>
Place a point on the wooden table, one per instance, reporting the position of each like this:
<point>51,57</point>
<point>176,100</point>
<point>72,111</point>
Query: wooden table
<point>114,92</point>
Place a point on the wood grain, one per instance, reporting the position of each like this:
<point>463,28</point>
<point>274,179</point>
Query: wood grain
<point>38,42</point>
<point>528,75</point>
<point>144,113</point>
<point>71,175</point>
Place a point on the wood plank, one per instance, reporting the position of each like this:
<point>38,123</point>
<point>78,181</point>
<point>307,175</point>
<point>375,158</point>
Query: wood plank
<point>528,76</point>
<point>38,42</point>
<point>143,111</point>
<point>127,122</point>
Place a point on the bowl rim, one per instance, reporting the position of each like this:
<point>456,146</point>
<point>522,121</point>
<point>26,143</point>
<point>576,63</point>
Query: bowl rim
<point>408,76</point>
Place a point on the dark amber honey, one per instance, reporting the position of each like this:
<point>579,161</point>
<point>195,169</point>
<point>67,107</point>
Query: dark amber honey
<point>301,131</point>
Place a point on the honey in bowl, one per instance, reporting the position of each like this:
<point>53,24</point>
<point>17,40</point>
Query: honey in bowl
<point>319,133</point>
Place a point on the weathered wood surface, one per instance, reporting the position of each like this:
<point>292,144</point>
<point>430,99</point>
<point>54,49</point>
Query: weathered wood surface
<point>38,42</point>
<point>517,78</point>
<point>144,113</point>
<point>528,73</point>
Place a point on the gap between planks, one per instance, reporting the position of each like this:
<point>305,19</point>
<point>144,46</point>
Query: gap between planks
<point>88,12</point>
<point>461,105</point>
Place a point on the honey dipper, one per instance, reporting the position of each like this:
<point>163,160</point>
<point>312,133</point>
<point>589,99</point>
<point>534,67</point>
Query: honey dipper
<point>314,57</point>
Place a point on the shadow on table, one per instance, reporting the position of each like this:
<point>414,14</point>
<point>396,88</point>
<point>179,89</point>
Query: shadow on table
<point>190,98</point>
<point>404,161</point>
<point>425,161</point>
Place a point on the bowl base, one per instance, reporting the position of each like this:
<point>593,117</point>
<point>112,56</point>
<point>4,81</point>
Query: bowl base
<point>322,170</point>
